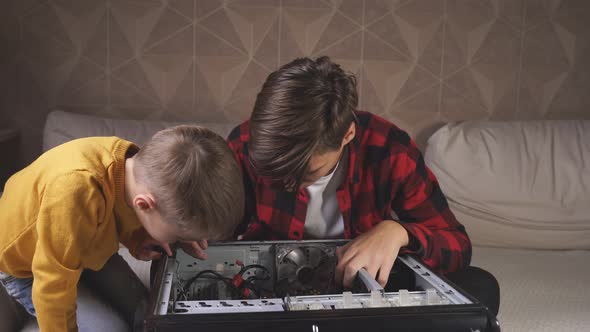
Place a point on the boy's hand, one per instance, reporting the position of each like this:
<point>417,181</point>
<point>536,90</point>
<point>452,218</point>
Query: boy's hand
<point>195,248</point>
<point>151,249</point>
<point>375,250</point>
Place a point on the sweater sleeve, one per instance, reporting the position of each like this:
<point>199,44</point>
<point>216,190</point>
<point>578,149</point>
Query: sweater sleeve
<point>70,210</point>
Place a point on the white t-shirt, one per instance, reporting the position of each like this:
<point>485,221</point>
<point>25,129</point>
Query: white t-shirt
<point>324,218</point>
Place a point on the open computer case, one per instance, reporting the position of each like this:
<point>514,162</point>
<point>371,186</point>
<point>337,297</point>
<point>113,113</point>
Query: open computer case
<point>289,286</point>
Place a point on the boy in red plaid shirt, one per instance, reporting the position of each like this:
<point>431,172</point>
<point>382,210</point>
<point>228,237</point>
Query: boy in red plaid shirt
<point>315,167</point>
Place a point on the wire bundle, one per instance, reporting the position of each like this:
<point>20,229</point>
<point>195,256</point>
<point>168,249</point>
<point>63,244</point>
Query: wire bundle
<point>240,287</point>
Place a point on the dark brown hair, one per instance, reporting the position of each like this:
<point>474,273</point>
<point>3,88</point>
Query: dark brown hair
<point>304,108</point>
<point>194,177</point>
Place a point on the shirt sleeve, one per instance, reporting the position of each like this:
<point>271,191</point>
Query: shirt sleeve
<point>435,234</point>
<point>70,210</point>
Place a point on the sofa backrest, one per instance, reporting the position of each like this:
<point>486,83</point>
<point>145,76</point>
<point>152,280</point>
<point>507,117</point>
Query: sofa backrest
<point>61,127</point>
<point>517,184</point>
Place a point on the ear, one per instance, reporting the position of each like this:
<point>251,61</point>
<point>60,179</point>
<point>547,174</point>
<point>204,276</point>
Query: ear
<point>349,136</point>
<point>144,202</point>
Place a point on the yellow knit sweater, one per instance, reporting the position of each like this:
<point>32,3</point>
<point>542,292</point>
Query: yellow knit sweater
<point>64,213</point>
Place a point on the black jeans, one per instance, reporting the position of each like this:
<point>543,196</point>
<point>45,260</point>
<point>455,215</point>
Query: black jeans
<point>480,284</point>
<point>117,285</point>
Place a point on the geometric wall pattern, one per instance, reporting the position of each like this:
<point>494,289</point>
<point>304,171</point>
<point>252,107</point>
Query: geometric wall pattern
<point>419,63</point>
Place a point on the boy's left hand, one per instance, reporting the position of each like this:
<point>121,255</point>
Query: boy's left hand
<point>375,250</point>
<point>148,250</point>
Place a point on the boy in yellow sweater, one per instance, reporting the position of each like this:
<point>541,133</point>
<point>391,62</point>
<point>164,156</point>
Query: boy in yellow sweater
<point>68,211</point>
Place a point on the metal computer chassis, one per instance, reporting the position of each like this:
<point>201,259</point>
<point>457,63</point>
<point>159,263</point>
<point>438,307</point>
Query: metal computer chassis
<point>415,299</point>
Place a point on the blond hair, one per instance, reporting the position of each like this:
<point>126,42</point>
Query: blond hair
<point>195,180</point>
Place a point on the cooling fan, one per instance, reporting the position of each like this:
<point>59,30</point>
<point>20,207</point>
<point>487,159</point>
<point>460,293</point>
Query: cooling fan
<point>305,270</point>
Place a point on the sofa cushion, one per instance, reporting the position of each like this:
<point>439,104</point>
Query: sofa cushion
<point>540,290</point>
<point>517,184</point>
<point>61,127</point>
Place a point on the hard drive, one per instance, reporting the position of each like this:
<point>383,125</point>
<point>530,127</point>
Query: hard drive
<point>290,286</point>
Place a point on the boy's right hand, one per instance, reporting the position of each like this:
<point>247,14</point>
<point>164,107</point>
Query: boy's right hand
<point>195,248</point>
<point>151,249</point>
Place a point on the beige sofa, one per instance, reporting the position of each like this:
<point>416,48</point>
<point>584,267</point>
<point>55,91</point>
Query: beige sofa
<point>521,189</point>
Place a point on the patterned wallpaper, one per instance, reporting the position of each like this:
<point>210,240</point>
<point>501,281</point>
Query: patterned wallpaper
<point>420,63</point>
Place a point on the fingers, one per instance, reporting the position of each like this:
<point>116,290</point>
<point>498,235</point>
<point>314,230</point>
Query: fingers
<point>350,272</point>
<point>385,269</point>
<point>149,255</point>
<point>378,272</point>
<point>166,248</point>
<point>339,272</point>
<point>342,260</point>
<point>373,269</point>
<point>351,260</point>
<point>151,244</point>
<point>341,250</point>
<point>197,251</point>
<point>347,267</point>
<point>339,253</point>
<point>154,255</point>
<point>150,249</point>
<point>384,272</point>
<point>195,248</point>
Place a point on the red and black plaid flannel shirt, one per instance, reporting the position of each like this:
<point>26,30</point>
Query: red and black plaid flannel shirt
<point>386,172</point>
